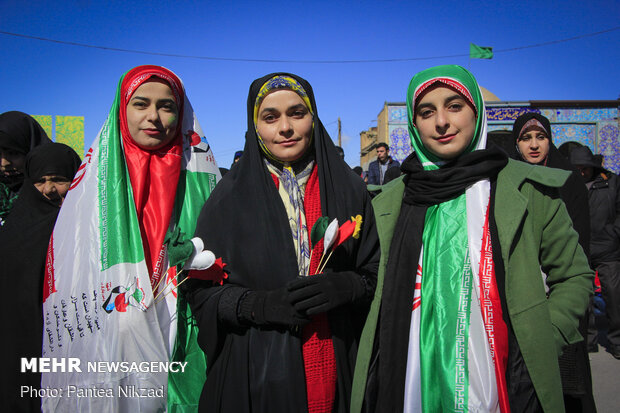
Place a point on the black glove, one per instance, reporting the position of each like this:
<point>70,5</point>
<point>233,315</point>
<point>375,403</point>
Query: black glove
<point>320,293</point>
<point>263,308</point>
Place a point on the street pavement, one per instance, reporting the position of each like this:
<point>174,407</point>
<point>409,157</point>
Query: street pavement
<point>605,381</point>
<point>605,372</point>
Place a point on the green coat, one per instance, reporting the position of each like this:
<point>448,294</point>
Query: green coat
<point>525,199</point>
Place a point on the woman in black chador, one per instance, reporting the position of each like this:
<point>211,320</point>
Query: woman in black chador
<point>19,134</point>
<point>24,238</point>
<point>533,141</point>
<point>277,337</point>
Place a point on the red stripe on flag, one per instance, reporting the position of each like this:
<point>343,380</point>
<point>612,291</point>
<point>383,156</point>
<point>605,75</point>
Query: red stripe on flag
<point>497,332</point>
<point>49,283</point>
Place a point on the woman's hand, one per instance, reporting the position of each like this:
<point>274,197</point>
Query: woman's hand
<point>320,293</point>
<point>262,308</point>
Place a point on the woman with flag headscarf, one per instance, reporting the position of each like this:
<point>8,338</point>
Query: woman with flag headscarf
<point>146,176</point>
<point>532,137</point>
<point>279,337</point>
<point>19,134</point>
<point>461,319</point>
<point>48,172</point>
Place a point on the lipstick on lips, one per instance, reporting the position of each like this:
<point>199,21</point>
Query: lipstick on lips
<point>446,138</point>
<point>289,142</point>
<point>152,132</point>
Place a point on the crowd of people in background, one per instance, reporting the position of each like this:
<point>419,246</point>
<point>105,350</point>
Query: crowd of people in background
<point>459,280</point>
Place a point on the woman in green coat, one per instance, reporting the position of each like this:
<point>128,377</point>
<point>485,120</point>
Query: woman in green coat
<point>463,319</point>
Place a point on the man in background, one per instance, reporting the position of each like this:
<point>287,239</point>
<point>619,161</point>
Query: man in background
<point>378,168</point>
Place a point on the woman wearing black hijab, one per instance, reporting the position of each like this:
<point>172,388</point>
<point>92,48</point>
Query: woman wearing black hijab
<point>277,338</point>
<point>531,133</point>
<point>24,239</point>
<point>532,136</point>
<point>19,133</point>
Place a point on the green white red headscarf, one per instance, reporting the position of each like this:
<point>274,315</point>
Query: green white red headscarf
<point>99,281</point>
<point>463,82</point>
<point>457,343</point>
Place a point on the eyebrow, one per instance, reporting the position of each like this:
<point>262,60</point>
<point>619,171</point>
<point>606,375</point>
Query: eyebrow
<point>423,106</point>
<point>447,100</point>
<point>454,97</point>
<point>298,106</point>
<point>294,107</point>
<point>159,100</point>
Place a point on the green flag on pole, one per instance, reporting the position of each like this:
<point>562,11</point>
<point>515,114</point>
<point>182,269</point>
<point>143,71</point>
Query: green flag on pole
<point>479,52</point>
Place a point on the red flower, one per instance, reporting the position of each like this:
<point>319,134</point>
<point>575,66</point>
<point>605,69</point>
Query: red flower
<point>214,273</point>
<point>345,232</point>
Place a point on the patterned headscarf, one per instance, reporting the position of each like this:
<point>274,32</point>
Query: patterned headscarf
<point>533,124</point>
<point>277,83</point>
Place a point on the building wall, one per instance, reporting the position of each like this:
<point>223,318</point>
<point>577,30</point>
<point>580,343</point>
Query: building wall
<point>368,140</point>
<point>400,144</point>
<point>68,130</point>
<point>392,129</point>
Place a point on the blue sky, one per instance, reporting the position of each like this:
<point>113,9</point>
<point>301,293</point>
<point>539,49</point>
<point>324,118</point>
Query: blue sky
<point>56,79</point>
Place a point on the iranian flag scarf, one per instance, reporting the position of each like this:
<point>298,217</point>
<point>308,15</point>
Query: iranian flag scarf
<point>457,341</point>
<point>105,257</point>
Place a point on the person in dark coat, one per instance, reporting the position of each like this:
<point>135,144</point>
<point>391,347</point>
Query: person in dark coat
<point>19,133</point>
<point>604,196</point>
<point>532,136</point>
<point>281,335</point>
<point>24,238</point>
<point>377,169</point>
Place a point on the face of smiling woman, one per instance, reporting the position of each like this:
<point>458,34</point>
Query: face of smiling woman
<point>445,121</point>
<point>285,125</point>
<point>152,115</point>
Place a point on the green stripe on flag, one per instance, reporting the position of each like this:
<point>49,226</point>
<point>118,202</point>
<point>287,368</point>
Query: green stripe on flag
<point>479,52</point>
<point>444,314</point>
<point>118,222</point>
<point>184,388</point>
<point>188,204</point>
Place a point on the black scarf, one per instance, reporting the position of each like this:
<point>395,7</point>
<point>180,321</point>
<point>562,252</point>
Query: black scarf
<point>19,132</point>
<point>23,246</point>
<point>423,189</point>
<point>428,188</point>
<point>245,223</point>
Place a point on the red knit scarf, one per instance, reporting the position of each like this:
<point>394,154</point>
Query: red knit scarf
<point>318,349</point>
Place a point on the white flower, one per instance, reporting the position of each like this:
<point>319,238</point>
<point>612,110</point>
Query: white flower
<point>200,259</point>
<point>330,234</point>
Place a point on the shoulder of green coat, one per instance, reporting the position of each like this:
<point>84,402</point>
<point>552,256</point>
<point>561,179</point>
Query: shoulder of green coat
<point>516,172</point>
<point>388,191</point>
